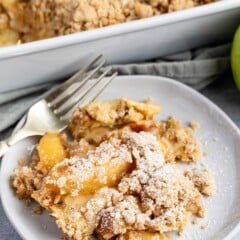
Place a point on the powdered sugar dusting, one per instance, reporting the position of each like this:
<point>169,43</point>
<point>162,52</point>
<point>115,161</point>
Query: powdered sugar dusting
<point>143,147</point>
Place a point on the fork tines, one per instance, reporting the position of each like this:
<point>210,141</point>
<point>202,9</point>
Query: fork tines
<point>68,96</point>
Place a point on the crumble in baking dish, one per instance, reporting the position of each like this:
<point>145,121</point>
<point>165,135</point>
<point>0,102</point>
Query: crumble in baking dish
<point>24,21</point>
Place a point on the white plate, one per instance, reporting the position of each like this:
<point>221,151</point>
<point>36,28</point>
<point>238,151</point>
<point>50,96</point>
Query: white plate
<point>55,58</point>
<point>218,134</point>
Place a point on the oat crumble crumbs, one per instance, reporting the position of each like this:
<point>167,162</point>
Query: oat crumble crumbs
<point>195,221</point>
<point>119,177</point>
<point>33,19</point>
<point>194,125</point>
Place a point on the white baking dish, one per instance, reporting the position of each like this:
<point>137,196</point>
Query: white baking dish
<point>51,59</point>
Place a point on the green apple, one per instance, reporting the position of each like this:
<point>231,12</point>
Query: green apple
<point>235,57</point>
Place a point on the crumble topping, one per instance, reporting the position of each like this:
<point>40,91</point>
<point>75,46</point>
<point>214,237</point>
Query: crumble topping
<point>125,184</point>
<point>70,174</point>
<point>26,180</point>
<point>177,142</point>
<point>157,197</point>
<point>203,180</point>
<point>34,19</point>
<point>96,119</point>
<point>164,203</point>
<point>8,36</point>
<point>4,18</point>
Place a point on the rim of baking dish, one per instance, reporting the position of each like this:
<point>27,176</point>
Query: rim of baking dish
<point>114,30</point>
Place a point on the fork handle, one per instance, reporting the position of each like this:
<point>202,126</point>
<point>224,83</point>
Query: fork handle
<point>3,148</point>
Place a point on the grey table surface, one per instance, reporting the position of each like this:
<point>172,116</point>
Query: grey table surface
<point>222,92</point>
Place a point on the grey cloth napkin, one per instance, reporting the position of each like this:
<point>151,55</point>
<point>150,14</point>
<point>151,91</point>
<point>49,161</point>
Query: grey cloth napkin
<point>196,68</point>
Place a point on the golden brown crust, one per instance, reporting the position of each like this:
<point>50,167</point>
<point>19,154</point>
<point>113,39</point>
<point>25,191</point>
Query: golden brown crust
<point>25,180</point>
<point>203,180</point>
<point>178,142</point>
<point>124,183</point>
<point>98,118</point>
<point>35,19</point>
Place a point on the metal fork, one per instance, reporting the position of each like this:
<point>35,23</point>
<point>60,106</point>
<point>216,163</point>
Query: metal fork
<point>53,112</point>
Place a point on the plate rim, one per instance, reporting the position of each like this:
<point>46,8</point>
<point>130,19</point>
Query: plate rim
<point>165,80</point>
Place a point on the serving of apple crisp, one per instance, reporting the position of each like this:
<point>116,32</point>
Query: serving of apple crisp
<point>118,173</point>
<point>24,21</point>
